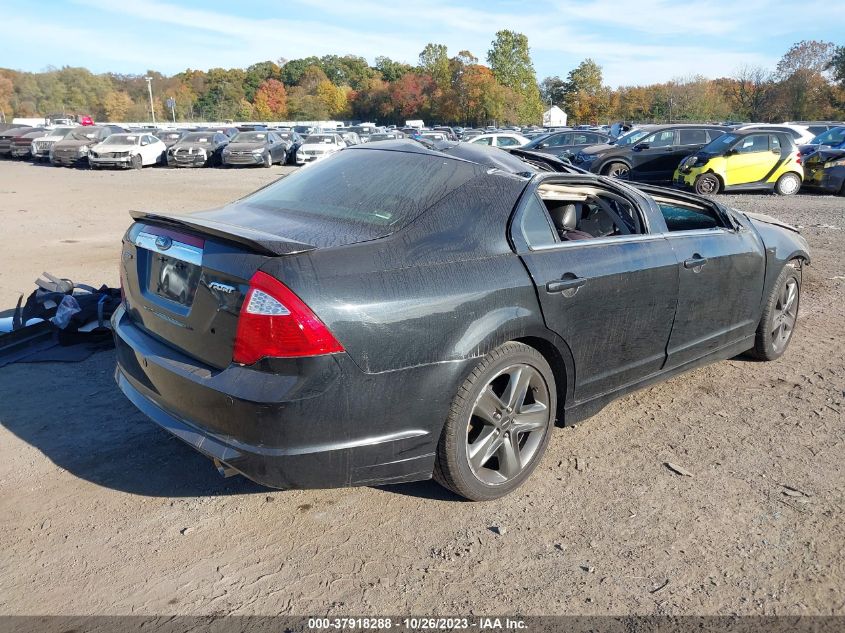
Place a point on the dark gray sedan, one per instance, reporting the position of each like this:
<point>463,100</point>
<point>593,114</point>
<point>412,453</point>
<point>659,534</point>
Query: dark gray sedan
<point>255,148</point>
<point>198,149</point>
<point>395,312</point>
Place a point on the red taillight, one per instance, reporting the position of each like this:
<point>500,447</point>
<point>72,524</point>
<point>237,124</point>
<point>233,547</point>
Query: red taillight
<point>798,157</point>
<point>275,322</point>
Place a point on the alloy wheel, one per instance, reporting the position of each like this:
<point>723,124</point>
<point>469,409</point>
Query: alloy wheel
<point>618,170</point>
<point>784,315</point>
<point>507,424</point>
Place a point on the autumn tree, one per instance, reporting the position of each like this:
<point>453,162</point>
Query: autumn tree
<point>751,91</point>
<point>116,105</point>
<point>271,101</point>
<point>803,90</point>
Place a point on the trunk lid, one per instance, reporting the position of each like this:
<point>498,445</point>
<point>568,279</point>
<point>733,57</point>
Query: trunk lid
<point>185,277</point>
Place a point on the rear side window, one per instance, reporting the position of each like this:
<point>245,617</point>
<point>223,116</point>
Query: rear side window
<point>535,224</point>
<point>373,187</point>
<point>661,139</point>
<point>775,142</point>
<point>693,137</point>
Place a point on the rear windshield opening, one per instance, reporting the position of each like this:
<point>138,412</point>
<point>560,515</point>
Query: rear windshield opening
<point>378,188</point>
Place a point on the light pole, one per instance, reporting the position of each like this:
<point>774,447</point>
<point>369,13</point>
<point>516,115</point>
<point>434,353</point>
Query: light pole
<point>150,90</point>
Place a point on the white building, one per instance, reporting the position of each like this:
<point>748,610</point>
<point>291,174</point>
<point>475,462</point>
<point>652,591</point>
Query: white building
<point>554,117</point>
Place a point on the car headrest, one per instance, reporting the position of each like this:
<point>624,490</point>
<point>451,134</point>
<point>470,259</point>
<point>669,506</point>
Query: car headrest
<point>565,217</point>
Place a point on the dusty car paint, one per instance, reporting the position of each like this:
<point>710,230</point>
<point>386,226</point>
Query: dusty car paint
<point>415,307</point>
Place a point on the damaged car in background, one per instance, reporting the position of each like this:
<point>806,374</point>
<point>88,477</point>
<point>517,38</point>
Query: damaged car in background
<point>72,150</point>
<point>198,149</point>
<point>824,170</point>
<point>434,312</point>
<point>21,146</point>
<point>129,151</point>
<point>42,145</point>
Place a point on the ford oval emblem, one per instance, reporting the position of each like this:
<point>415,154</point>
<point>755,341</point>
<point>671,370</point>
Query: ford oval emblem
<point>163,242</point>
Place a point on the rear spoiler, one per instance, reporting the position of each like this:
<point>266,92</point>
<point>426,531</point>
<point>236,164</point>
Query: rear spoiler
<point>258,241</point>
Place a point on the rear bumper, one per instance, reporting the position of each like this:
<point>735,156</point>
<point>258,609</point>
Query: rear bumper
<point>311,423</point>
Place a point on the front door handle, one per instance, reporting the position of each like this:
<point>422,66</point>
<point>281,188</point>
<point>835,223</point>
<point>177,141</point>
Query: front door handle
<point>697,261</point>
<point>571,283</point>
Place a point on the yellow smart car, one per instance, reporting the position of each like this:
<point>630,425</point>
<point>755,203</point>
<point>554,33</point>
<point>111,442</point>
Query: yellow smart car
<point>745,160</point>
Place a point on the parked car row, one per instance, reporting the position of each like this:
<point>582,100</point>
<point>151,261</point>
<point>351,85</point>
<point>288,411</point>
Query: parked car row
<point>710,159</point>
<point>706,158</point>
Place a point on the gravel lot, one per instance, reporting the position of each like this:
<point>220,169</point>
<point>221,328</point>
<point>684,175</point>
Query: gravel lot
<point>103,513</point>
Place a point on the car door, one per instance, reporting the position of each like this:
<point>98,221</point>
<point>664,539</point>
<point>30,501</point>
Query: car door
<point>721,266</point>
<point>652,156</point>
<point>147,150</point>
<point>612,298</point>
<point>750,159</point>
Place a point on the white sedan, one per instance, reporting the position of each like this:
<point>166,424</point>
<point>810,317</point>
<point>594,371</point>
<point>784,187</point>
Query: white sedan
<point>500,139</point>
<point>317,146</point>
<point>128,150</point>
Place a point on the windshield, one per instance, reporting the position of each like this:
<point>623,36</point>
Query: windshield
<point>169,136</point>
<point>197,137</point>
<point>720,144</point>
<point>833,137</point>
<point>121,139</point>
<point>316,139</point>
<point>376,189</point>
<point>249,137</point>
<point>60,131</point>
<point>631,137</point>
<point>84,134</point>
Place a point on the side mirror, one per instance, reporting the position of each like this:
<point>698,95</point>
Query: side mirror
<point>641,146</point>
<point>543,145</point>
<point>730,152</point>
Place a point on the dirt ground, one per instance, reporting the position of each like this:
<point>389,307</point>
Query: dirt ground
<point>103,513</point>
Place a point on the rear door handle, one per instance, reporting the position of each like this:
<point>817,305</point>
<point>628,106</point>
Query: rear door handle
<point>695,262</point>
<point>565,284</point>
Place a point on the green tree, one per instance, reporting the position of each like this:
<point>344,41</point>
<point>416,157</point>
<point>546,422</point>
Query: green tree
<point>434,62</point>
<point>293,70</point>
<point>391,70</point>
<point>510,60</point>
<point>837,65</point>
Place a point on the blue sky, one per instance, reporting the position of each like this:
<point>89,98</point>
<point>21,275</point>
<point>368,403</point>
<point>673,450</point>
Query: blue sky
<point>635,42</point>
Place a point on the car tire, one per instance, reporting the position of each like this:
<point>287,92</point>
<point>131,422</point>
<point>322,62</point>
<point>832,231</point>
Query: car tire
<point>137,162</point>
<point>508,450</point>
<point>788,184</point>
<point>617,170</point>
<point>780,315</point>
<point>268,160</point>
<point>708,184</point>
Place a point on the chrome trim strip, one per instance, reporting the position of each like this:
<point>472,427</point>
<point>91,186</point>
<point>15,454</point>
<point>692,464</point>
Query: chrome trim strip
<point>178,250</point>
<point>617,239</point>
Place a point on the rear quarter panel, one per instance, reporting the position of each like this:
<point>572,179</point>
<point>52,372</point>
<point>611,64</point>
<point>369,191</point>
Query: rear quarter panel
<point>446,288</point>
